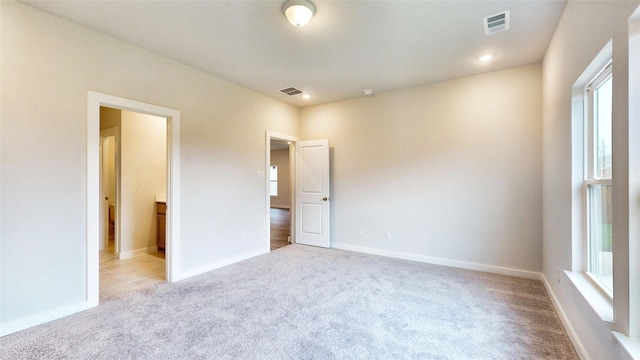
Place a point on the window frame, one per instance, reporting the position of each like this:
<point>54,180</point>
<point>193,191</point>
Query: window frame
<point>590,178</point>
<point>272,181</point>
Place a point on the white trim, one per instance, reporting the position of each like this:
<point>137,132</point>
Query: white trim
<point>598,182</point>
<point>41,318</point>
<point>218,264</point>
<point>630,346</point>
<point>440,261</point>
<point>138,252</point>
<point>94,101</point>
<point>599,302</point>
<point>628,271</point>
<point>592,179</point>
<point>287,207</point>
<point>93,202</point>
<point>573,336</point>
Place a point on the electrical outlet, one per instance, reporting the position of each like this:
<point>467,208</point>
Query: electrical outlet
<point>360,232</point>
<point>387,234</point>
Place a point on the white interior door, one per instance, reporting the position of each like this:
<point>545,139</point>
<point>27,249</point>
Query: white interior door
<point>312,192</point>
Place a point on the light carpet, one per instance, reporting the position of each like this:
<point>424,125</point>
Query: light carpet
<point>302,302</point>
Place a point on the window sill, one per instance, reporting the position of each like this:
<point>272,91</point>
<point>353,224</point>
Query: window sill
<point>599,302</point>
<point>631,346</point>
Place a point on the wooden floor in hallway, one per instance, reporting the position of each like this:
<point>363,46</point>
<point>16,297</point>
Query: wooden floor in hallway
<point>280,220</point>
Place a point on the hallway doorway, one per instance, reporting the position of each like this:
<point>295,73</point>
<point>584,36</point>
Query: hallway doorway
<point>96,214</point>
<point>280,175</point>
<point>280,193</point>
<point>133,190</point>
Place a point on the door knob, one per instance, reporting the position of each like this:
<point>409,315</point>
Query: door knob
<point>325,198</point>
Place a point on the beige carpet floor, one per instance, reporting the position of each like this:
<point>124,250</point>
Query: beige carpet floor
<point>303,302</point>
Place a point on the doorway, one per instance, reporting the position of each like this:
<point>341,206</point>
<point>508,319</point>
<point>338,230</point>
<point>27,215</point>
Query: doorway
<point>95,201</point>
<point>108,179</point>
<point>309,218</point>
<point>133,191</point>
<point>280,173</point>
<point>280,193</point>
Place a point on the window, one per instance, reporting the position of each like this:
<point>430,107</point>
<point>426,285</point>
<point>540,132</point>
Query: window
<point>273,181</point>
<point>597,183</point>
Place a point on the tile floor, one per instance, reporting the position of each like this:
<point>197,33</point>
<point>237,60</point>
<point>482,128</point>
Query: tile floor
<point>117,276</point>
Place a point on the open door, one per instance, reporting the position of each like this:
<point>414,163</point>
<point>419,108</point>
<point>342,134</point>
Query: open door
<point>312,192</point>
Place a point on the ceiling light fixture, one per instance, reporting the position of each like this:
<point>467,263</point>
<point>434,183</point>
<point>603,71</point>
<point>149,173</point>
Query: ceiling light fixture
<point>306,96</point>
<point>486,57</point>
<point>298,12</point>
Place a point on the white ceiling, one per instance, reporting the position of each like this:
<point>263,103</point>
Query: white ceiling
<point>347,47</point>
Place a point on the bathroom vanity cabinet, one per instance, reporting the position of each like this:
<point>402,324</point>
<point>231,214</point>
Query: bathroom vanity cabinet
<point>162,225</point>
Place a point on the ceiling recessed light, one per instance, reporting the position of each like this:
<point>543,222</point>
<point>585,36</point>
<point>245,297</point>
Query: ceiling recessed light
<point>486,57</point>
<point>306,96</point>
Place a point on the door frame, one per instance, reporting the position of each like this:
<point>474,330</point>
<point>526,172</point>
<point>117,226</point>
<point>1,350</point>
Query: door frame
<point>292,184</point>
<point>94,101</point>
<point>104,211</point>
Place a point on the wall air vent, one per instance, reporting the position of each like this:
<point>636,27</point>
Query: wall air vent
<point>290,91</point>
<point>496,23</point>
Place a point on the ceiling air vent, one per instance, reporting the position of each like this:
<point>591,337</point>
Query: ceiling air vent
<point>290,91</point>
<point>496,23</point>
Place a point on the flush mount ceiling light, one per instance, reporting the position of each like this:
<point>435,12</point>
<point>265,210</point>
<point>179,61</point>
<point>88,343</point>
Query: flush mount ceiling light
<point>298,12</point>
<point>486,57</point>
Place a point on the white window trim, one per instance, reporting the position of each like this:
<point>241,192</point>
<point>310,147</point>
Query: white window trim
<point>273,181</point>
<point>601,304</point>
<point>590,177</point>
<point>602,75</point>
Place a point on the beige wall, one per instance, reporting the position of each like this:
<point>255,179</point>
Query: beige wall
<point>143,175</point>
<point>452,170</point>
<point>47,66</point>
<point>584,29</point>
<point>280,158</point>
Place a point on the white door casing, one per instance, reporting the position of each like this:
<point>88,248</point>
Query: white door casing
<point>312,192</point>
<point>94,101</point>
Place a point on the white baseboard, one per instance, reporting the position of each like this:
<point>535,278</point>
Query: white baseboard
<point>37,319</point>
<point>573,336</point>
<point>218,264</point>
<point>138,252</point>
<point>440,261</point>
<point>41,318</point>
<point>281,207</point>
